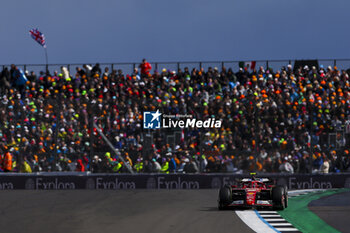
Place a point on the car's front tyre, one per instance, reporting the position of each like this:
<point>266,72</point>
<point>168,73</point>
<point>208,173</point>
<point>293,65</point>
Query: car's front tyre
<point>225,197</point>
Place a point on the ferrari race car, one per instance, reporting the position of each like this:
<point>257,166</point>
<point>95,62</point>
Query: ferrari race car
<point>253,192</point>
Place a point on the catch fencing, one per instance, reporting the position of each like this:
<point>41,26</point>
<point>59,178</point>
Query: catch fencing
<point>128,67</point>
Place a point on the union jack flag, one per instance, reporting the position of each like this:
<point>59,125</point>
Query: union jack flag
<point>38,36</point>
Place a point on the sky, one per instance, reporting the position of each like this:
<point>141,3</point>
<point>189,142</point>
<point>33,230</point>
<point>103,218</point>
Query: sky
<point>105,31</point>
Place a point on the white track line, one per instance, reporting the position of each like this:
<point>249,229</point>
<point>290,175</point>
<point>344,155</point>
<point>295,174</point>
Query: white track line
<point>303,191</point>
<point>275,224</point>
<point>269,215</point>
<point>274,219</point>
<point>267,212</point>
<point>286,229</point>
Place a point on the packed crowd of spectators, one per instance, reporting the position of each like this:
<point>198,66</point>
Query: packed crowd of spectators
<point>272,121</point>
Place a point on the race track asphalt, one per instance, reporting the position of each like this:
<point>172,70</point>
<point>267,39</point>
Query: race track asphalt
<point>334,210</point>
<point>149,211</point>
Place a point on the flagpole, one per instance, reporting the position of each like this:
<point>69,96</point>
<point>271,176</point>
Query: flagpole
<point>47,63</point>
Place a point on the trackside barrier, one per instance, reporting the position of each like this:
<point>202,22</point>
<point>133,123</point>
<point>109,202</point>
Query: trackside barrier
<point>56,181</point>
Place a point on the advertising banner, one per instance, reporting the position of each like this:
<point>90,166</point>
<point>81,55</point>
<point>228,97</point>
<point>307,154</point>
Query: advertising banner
<point>56,181</point>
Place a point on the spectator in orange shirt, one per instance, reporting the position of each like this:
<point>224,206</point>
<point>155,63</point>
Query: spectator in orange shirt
<point>8,162</point>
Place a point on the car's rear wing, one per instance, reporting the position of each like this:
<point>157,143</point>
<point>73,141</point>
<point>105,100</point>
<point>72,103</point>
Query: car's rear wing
<point>264,180</point>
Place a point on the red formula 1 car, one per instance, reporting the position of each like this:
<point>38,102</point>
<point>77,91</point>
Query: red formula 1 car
<point>253,192</point>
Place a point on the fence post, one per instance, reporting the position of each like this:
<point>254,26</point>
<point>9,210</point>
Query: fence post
<point>68,67</point>
<point>290,62</point>
<point>156,65</point>
<point>335,62</point>
<point>222,65</point>
<point>267,65</point>
<point>112,67</point>
<point>22,152</point>
<point>200,65</point>
<point>178,66</point>
<point>25,67</point>
<point>133,67</point>
<point>310,132</point>
<point>91,127</point>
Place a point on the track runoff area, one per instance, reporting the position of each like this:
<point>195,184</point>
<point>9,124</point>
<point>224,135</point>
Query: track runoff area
<point>159,211</point>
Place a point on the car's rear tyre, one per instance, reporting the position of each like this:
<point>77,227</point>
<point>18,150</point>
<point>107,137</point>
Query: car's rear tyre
<point>278,198</point>
<point>225,197</point>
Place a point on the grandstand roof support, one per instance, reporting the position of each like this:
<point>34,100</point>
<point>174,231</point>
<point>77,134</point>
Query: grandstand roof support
<point>112,147</point>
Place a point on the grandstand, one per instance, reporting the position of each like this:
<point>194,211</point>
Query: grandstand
<point>274,119</point>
